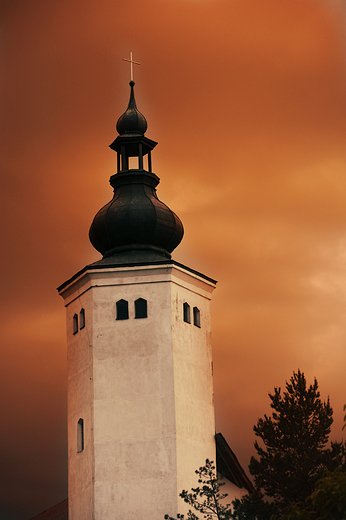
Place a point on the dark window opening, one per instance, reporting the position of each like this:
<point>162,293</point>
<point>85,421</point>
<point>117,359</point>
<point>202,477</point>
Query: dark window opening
<point>141,308</point>
<point>196,317</point>
<point>82,319</point>
<point>187,317</point>
<point>75,324</point>
<point>80,435</point>
<point>122,310</point>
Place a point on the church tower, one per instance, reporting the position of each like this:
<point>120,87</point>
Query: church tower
<point>140,389</point>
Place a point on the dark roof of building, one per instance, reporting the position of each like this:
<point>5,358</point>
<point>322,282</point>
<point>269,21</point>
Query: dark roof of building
<point>57,512</point>
<point>228,465</point>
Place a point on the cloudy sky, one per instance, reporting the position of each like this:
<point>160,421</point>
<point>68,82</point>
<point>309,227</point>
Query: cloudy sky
<point>247,99</point>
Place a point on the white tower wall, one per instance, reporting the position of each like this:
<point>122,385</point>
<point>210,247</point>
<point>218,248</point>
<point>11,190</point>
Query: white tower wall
<point>143,388</point>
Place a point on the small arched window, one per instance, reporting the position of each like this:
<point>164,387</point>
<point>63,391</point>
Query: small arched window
<point>187,314</point>
<point>82,319</point>
<point>196,317</point>
<point>80,435</point>
<point>141,308</point>
<point>122,310</point>
<point>75,323</point>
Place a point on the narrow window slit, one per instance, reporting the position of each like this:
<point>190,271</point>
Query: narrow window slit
<point>141,308</point>
<point>80,435</point>
<point>82,319</point>
<point>122,310</point>
<point>75,323</point>
<point>196,317</point>
<point>187,314</point>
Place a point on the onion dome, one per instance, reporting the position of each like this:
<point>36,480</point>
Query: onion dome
<point>135,219</point>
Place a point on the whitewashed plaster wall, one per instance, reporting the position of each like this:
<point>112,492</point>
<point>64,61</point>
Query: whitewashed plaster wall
<point>80,406</point>
<point>194,398</point>
<point>144,389</point>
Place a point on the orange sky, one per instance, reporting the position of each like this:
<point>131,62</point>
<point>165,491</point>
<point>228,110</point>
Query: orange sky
<point>247,99</point>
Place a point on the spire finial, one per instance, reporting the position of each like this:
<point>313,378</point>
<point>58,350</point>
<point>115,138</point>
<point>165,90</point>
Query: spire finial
<point>132,62</point>
<point>131,121</point>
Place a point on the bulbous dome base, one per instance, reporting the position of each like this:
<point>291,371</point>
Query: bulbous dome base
<point>135,219</point>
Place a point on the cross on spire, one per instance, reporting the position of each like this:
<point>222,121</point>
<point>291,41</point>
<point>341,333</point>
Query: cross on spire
<point>132,62</point>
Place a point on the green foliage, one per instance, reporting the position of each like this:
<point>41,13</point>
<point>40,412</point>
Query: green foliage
<point>206,499</point>
<point>327,501</point>
<point>329,497</point>
<point>302,478</point>
<point>252,507</point>
<point>294,438</point>
<point>293,463</point>
<point>295,512</point>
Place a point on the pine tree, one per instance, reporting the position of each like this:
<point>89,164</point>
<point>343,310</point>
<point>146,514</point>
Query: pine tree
<point>294,455</point>
<point>206,499</point>
<point>252,507</point>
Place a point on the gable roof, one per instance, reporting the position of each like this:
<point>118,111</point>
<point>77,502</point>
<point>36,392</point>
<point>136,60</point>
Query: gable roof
<point>228,465</point>
<point>57,512</point>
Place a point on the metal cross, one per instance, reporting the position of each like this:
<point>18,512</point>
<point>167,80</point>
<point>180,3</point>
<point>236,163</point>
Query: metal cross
<point>132,62</point>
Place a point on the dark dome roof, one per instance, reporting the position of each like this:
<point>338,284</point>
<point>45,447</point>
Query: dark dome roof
<point>135,219</point>
<point>132,121</point>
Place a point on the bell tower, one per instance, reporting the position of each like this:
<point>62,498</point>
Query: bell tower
<point>140,389</point>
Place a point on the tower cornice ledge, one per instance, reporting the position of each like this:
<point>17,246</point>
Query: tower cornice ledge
<point>107,270</point>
